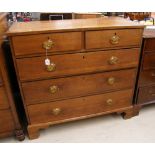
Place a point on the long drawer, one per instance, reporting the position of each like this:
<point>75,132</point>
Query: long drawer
<point>149,45</point>
<point>146,94</point>
<point>149,61</point>
<point>71,64</point>
<point>6,121</point>
<point>113,38</point>
<point>3,99</point>
<point>76,86</point>
<point>147,77</point>
<point>33,44</point>
<point>74,108</point>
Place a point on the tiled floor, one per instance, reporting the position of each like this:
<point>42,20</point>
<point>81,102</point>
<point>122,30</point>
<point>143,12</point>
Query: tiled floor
<point>109,128</point>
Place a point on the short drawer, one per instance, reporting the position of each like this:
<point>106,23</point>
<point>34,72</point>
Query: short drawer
<point>113,38</point>
<point>6,121</point>
<point>149,61</point>
<point>147,77</point>
<point>149,45</point>
<point>33,44</point>
<point>76,86</point>
<point>3,99</point>
<point>71,64</point>
<point>146,94</point>
<point>75,108</point>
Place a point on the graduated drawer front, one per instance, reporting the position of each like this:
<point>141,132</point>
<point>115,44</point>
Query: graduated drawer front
<point>76,86</point>
<point>147,77</point>
<point>71,64</point>
<point>102,39</point>
<point>33,44</point>
<point>6,121</point>
<point>146,94</point>
<point>3,99</point>
<point>149,45</point>
<point>149,61</point>
<point>75,108</point>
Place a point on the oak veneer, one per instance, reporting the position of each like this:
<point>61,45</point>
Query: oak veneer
<point>79,63</point>
<point>69,41</point>
<point>98,39</point>
<point>99,49</point>
<point>77,107</point>
<point>77,86</point>
<point>42,27</point>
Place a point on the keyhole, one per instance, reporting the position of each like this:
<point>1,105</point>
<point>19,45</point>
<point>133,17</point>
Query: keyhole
<point>83,57</point>
<point>115,33</point>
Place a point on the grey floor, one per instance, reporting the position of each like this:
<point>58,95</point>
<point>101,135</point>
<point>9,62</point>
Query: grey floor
<point>105,129</point>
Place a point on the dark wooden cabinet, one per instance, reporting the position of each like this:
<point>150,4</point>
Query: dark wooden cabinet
<point>9,121</point>
<point>92,69</point>
<point>55,16</point>
<point>145,92</point>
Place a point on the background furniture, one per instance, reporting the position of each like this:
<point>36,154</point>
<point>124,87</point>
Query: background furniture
<point>137,15</point>
<point>87,73</point>
<point>56,16</point>
<point>9,122</point>
<point>146,79</point>
<point>86,15</point>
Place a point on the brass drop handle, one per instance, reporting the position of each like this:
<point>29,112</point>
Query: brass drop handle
<point>111,80</point>
<point>113,60</point>
<point>114,39</point>
<point>48,44</point>
<point>109,102</point>
<point>51,67</point>
<point>53,89</point>
<point>56,111</point>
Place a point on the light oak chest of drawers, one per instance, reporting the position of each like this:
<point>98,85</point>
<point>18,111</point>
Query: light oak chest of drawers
<point>92,69</point>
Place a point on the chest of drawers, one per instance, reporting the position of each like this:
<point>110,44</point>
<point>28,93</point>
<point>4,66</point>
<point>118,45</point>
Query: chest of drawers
<point>146,78</point>
<point>9,122</point>
<point>92,69</point>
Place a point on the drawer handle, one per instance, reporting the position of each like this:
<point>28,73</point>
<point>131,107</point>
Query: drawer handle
<point>48,44</point>
<point>51,67</point>
<point>111,80</point>
<point>113,60</point>
<point>53,89</point>
<point>114,39</point>
<point>56,111</point>
<point>109,101</point>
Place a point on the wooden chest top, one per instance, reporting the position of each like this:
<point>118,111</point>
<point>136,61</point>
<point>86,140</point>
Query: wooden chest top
<point>37,27</point>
